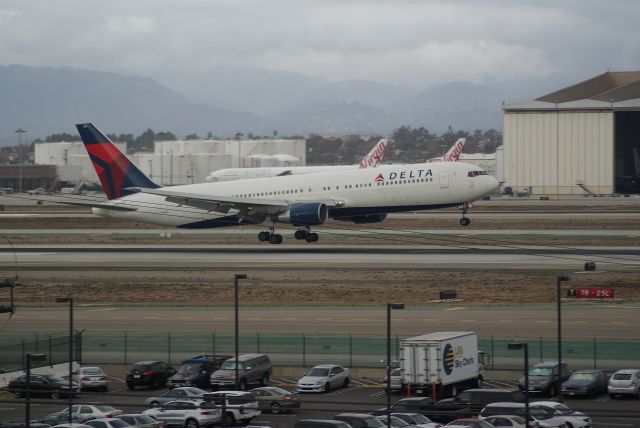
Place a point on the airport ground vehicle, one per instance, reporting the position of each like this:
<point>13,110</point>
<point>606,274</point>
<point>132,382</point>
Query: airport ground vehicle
<point>138,420</point>
<point>197,371</point>
<point>320,423</point>
<point>239,406</point>
<point>571,418</point>
<point>543,418</point>
<point>360,420</point>
<point>323,378</point>
<point>185,393</point>
<point>153,374</point>
<point>441,364</point>
<point>186,413</point>
<point>91,378</point>
<point>585,382</point>
<point>417,419</point>
<point>93,411</point>
<point>252,369</point>
<point>107,423</point>
<point>544,377</point>
<point>275,399</point>
<point>624,382</point>
<point>42,384</point>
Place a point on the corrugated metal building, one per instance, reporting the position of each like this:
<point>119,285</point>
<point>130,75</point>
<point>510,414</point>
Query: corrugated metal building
<point>581,139</point>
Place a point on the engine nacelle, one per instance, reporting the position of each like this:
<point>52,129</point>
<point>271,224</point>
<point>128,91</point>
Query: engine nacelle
<point>364,219</point>
<point>308,214</point>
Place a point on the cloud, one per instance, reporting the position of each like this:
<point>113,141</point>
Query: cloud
<point>402,41</point>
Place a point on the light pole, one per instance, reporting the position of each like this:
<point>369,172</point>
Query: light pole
<point>69,300</point>
<point>390,306</point>
<point>27,412</point>
<point>525,346</point>
<point>237,277</point>
<point>559,279</point>
<point>20,131</point>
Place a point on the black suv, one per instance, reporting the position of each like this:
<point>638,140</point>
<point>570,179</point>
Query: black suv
<point>46,384</point>
<point>149,373</point>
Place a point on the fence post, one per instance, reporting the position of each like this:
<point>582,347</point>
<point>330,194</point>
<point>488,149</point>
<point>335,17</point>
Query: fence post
<point>169,347</point>
<point>350,350</point>
<point>258,339</point>
<point>24,353</point>
<point>540,341</point>
<point>493,355</point>
<point>213,343</point>
<point>51,352</point>
<point>595,354</point>
<point>304,351</point>
<point>125,347</point>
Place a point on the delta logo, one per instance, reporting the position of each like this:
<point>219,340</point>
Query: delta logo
<point>403,175</point>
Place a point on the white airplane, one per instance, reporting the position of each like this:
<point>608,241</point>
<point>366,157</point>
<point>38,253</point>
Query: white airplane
<point>358,195</point>
<point>453,154</point>
<point>371,159</point>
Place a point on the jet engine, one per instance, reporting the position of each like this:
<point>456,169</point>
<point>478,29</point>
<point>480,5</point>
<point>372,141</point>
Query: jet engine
<point>307,214</point>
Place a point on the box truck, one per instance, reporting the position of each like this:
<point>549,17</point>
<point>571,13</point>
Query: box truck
<point>441,364</point>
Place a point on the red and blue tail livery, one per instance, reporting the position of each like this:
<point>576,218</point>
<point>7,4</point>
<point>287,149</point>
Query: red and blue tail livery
<point>116,172</point>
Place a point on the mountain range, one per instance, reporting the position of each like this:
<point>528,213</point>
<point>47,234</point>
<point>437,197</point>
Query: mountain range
<point>227,100</point>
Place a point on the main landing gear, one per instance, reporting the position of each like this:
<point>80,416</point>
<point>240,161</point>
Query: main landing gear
<point>464,208</point>
<point>271,236</point>
<point>307,235</point>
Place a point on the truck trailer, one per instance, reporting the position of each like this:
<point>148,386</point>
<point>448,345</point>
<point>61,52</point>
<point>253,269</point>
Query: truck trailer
<point>441,364</point>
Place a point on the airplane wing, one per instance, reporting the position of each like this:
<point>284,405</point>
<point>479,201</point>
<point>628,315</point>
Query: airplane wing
<point>88,203</point>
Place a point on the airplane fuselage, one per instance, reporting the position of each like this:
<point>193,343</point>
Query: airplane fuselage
<point>352,192</point>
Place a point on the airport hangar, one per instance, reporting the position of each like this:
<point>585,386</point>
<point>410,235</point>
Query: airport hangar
<point>583,139</point>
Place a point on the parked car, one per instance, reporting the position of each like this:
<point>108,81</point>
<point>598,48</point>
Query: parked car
<point>507,421</point>
<point>624,382</point>
<point>185,393</point>
<point>320,423</point>
<point>360,420</point>
<point>107,423</point>
<point>42,384</point>
<point>94,410</point>
<point>396,381</point>
<point>63,417</point>
<point>543,418</point>
<point>186,413</point>
<point>470,422</point>
<point>252,369</point>
<point>138,420</point>
<point>197,371</point>
<point>396,422</point>
<point>240,406</point>
<point>73,425</point>
<point>149,373</point>
<point>476,399</point>
<point>91,378</point>
<point>585,382</point>
<point>572,418</point>
<point>417,419</point>
<point>275,399</point>
<point>543,377</point>
<point>323,378</point>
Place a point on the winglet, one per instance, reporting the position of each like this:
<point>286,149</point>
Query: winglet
<point>115,171</point>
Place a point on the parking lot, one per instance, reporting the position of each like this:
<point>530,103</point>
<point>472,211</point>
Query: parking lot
<point>362,395</point>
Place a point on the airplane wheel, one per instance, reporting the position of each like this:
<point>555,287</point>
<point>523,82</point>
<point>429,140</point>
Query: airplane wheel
<point>300,234</point>
<point>311,237</point>
<point>465,221</point>
<point>275,239</point>
<point>264,236</point>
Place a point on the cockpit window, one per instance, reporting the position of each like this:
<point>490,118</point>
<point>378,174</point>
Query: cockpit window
<point>476,173</point>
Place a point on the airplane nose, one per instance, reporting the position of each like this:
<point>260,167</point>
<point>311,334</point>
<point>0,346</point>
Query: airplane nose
<point>492,184</point>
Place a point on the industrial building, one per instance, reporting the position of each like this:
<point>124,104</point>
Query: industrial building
<point>176,162</point>
<point>583,139</point>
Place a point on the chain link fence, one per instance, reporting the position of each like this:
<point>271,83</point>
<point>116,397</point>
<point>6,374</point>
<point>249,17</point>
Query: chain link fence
<point>294,350</point>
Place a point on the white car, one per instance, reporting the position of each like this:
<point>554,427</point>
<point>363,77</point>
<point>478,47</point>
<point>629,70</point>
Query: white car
<point>90,378</point>
<point>417,419</point>
<point>543,418</point>
<point>624,382</point>
<point>240,406</point>
<point>324,378</point>
<point>107,423</point>
<point>572,418</point>
<point>94,410</point>
<point>186,413</point>
<point>507,421</point>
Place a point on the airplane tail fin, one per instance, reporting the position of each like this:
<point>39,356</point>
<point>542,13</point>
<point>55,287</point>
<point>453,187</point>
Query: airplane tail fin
<point>115,170</point>
<point>454,152</point>
<point>374,157</point>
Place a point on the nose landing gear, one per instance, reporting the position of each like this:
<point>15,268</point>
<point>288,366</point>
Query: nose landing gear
<point>464,208</point>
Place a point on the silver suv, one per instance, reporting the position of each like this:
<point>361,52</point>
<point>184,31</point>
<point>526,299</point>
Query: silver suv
<point>187,413</point>
<point>239,406</point>
<point>252,369</point>
<point>624,382</point>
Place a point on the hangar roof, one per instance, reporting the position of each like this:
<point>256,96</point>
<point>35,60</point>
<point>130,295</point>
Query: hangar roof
<point>611,91</point>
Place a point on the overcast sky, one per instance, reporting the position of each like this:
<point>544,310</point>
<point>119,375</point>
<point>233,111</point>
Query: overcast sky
<point>399,41</point>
